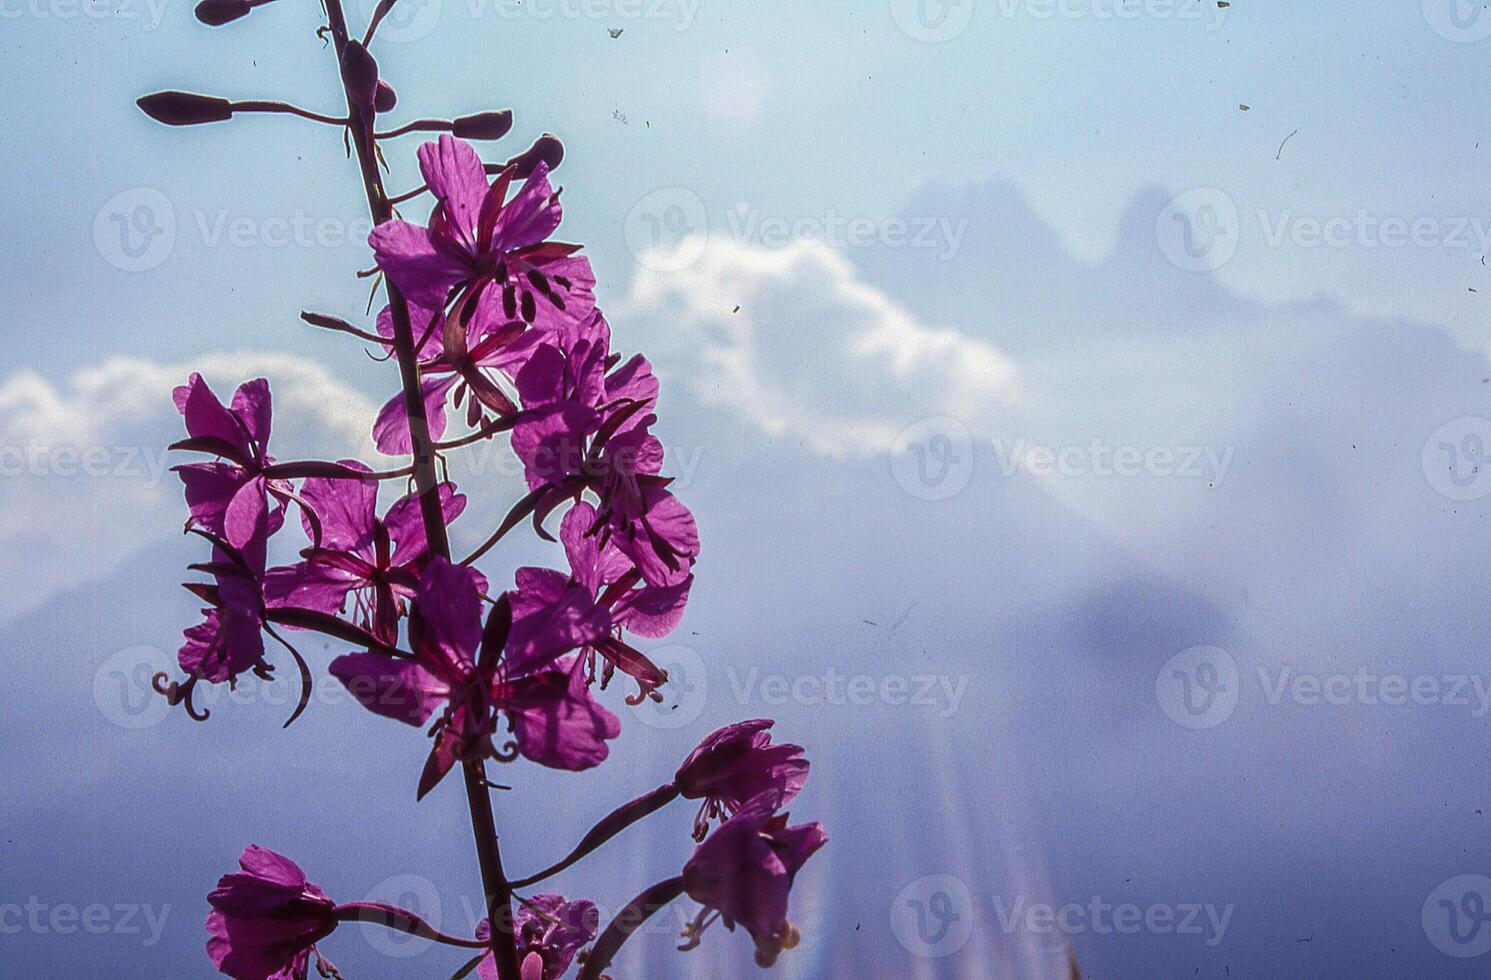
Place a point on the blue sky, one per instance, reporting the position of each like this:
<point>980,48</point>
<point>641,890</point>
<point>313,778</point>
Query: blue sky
<point>1058,382</point>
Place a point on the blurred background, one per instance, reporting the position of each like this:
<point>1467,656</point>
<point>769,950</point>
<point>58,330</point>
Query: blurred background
<point>1084,403</point>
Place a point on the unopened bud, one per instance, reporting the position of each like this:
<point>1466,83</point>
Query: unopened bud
<point>483,125</point>
<point>385,98</point>
<point>546,149</point>
<point>185,109</point>
<point>360,76</point>
<point>216,13</point>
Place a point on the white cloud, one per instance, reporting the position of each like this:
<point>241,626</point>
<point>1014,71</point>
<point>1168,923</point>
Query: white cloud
<point>84,479</point>
<point>812,352</point>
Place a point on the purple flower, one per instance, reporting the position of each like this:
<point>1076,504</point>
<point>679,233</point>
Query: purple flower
<point>376,561</point>
<point>546,702</point>
<point>605,593</point>
<point>568,397</point>
<point>479,241</point>
<point>462,361</point>
<point>744,872</point>
<point>231,499</point>
<point>229,640</point>
<point>550,933</point>
<point>736,764</point>
<point>266,920</point>
<point>585,429</point>
<point>650,525</point>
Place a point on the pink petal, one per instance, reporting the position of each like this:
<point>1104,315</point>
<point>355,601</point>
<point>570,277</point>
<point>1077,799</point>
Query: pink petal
<point>252,404</point>
<point>407,253</point>
<point>556,722</point>
<point>456,178</point>
<point>345,507</point>
<point>399,689</point>
<point>391,429</point>
<point>247,516</point>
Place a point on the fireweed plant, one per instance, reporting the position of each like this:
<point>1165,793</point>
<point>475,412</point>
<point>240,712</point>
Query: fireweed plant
<point>488,316</point>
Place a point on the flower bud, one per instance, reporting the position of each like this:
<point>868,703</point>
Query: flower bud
<point>216,13</point>
<point>185,108</point>
<point>385,98</point>
<point>546,149</point>
<point>483,125</point>
<point>360,76</point>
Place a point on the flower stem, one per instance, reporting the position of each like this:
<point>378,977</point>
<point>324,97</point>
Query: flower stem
<point>628,921</point>
<point>403,920</point>
<point>614,823</point>
<point>426,482</point>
